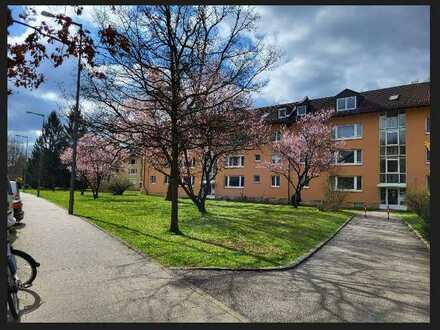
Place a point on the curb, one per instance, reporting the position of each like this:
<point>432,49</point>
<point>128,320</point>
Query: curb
<point>294,264</point>
<point>411,228</point>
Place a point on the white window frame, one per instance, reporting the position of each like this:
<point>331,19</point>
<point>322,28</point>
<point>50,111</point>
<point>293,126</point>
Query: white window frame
<point>428,152</point>
<point>278,136</point>
<point>228,162</point>
<point>241,179</point>
<point>167,179</point>
<point>259,179</point>
<point>151,179</point>
<point>132,171</point>
<point>285,113</point>
<point>354,182</point>
<point>358,132</point>
<point>428,125</point>
<point>304,107</point>
<point>133,161</point>
<point>345,103</point>
<point>277,156</point>
<point>272,181</point>
<point>356,160</point>
<point>258,160</point>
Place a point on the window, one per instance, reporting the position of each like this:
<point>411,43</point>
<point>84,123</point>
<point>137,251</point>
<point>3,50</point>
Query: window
<point>133,161</point>
<point>346,103</point>
<point>428,155</point>
<point>301,110</point>
<point>257,179</point>
<point>275,181</point>
<point>234,161</point>
<point>276,136</point>
<point>276,159</point>
<point>189,180</point>
<point>167,179</point>
<point>258,158</point>
<point>193,162</point>
<point>234,181</point>
<point>282,113</point>
<point>153,179</point>
<point>346,183</point>
<point>132,171</point>
<point>392,137</point>
<point>352,131</point>
<point>349,157</point>
<point>428,125</point>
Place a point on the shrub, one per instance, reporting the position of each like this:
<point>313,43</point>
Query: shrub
<point>333,200</point>
<point>118,184</point>
<point>419,202</point>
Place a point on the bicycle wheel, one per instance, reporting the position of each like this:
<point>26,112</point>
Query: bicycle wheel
<point>26,267</point>
<point>13,302</point>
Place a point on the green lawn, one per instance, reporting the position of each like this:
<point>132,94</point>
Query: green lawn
<point>233,234</point>
<point>415,221</point>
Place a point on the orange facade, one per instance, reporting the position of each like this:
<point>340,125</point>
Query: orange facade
<point>413,166</point>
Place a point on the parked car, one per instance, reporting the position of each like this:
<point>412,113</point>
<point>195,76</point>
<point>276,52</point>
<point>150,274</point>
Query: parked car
<point>17,204</point>
<point>11,219</point>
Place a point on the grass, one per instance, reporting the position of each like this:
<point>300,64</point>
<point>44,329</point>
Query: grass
<point>233,234</point>
<point>415,221</point>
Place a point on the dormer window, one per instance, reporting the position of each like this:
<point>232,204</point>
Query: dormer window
<point>346,103</point>
<point>282,113</point>
<point>301,110</point>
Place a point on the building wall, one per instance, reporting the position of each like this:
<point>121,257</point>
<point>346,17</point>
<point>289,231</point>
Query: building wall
<point>417,168</point>
<point>135,178</point>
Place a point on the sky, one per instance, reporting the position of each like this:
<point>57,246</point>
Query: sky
<point>324,49</point>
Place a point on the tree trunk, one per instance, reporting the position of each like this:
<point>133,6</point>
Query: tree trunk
<point>174,224</point>
<point>296,198</point>
<point>95,194</point>
<point>201,206</point>
<point>168,196</point>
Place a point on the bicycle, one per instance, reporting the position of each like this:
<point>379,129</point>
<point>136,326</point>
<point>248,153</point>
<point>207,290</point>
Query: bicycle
<point>22,271</point>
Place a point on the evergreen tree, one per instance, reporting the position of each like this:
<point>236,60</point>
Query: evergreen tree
<point>49,146</point>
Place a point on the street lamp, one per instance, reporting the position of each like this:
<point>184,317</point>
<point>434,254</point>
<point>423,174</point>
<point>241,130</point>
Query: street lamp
<point>75,115</point>
<point>40,162</point>
<point>24,168</point>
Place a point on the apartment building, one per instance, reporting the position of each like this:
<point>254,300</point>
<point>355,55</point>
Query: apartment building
<point>386,135</point>
<point>134,169</point>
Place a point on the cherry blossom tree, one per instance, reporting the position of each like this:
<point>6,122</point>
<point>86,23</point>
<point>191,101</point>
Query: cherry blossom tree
<point>305,150</point>
<point>168,60</point>
<point>96,160</point>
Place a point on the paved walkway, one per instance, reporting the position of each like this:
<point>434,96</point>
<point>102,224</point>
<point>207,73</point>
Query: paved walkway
<point>87,276</point>
<point>374,270</point>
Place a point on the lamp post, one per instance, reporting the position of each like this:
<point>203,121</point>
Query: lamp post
<point>40,162</point>
<point>75,115</point>
<point>24,168</point>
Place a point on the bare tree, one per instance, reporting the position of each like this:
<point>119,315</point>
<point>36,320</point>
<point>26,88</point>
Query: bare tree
<point>161,63</point>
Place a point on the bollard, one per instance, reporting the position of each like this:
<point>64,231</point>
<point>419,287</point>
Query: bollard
<point>365,209</point>
<point>388,213</point>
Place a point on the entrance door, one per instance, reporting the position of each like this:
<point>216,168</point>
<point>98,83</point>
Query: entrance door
<point>393,196</point>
